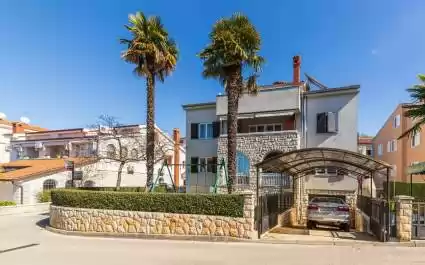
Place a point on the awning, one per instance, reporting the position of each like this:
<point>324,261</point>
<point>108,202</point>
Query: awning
<point>416,169</point>
<point>260,115</point>
<point>303,161</point>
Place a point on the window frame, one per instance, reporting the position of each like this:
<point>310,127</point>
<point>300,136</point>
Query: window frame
<point>206,167</point>
<point>208,127</point>
<point>380,149</point>
<point>396,121</point>
<point>47,184</point>
<point>413,142</point>
<point>253,128</point>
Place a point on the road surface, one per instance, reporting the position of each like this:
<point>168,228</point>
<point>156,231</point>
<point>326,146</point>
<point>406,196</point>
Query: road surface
<point>23,242</point>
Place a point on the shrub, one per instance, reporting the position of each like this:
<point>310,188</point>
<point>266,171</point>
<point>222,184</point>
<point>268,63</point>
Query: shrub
<point>208,204</point>
<point>44,196</point>
<point>7,203</point>
<point>159,188</point>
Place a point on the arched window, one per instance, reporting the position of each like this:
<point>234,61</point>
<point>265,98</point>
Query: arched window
<point>89,183</point>
<point>110,151</point>
<point>124,152</point>
<point>49,184</point>
<point>134,154</point>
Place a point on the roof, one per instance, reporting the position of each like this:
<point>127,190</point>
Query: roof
<point>199,105</point>
<point>61,130</point>
<point>353,88</point>
<point>24,125</point>
<point>38,167</point>
<point>365,139</point>
<point>302,161</point>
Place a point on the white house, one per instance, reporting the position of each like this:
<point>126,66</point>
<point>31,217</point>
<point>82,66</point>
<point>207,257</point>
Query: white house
<point>39,161</point>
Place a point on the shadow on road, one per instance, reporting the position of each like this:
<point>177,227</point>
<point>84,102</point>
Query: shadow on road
<point>43,222</point>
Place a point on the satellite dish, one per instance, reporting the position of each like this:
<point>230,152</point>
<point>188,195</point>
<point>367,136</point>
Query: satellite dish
<point>2,116</point>
<point>25,119</point>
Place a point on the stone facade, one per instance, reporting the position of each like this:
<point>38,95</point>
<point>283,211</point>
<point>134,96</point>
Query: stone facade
<point>404,217</point>
<point>155,223</point>
<point>257,146</point>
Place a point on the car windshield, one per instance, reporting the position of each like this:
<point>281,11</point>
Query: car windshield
<point>328,200</point>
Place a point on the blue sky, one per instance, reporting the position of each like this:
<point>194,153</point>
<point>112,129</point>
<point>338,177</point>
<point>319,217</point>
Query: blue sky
<point>60,60</point>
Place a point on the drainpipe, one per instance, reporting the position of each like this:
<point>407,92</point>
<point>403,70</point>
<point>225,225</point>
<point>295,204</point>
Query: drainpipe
<point>21,192</point>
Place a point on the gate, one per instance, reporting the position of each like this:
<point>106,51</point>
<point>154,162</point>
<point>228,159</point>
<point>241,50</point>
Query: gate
<point>382,216</point>
<point>272,200</point>
<point>418,220</point>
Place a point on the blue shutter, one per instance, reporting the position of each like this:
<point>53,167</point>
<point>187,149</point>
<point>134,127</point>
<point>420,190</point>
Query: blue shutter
<point>242,164</point>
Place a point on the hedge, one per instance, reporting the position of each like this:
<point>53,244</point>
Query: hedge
<point>403,188</point>
<point>7,203</point>
<point>206,204</point>
<point>44,196</point>
<point>160,188</point>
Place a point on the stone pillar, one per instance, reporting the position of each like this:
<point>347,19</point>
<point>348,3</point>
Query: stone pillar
<point>404,217</point>
<point>249,212</point>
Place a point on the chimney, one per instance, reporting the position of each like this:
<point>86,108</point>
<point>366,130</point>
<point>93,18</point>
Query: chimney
<point>297,69</point>
<point>176,139</point>
<point>17,127</point>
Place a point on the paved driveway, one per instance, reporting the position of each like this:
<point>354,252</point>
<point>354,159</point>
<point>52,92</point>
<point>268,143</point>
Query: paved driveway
<point>23,242</point>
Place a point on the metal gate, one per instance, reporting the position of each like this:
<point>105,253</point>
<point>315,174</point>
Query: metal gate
<point>418,220</point>
<point>273,198</point>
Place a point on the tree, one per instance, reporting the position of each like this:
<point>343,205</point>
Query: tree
<point>121,145</point>
<point>233,49</point>
<point>416,110</point>
<point>155,55</point>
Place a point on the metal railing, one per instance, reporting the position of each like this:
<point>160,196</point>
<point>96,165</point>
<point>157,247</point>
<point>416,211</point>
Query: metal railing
<point>269,208</point>
<point>418,220</point>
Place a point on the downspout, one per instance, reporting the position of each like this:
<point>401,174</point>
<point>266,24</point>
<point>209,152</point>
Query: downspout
<point>21,197</point>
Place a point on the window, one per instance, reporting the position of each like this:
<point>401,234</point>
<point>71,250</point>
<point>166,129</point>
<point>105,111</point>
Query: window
<point>265,128</point>
<point>326,171</point>
<point>110,151</point>
<point>89,183</point>
<point>223,126</point>
<point>380,149</point>
<point>68,184</point>
<point>416,139</point>
<point>130,169</point>
<point>320,171</point>
<point>49,184</point>
<point>203,164</point>
<point>392,146</point>
<point>326,122</point>
<point>242,164</point>
<point>124,152</point>
<point>205,130</point>
<point>134,154</point>
<point>396,121</point>
<point>369,152</point>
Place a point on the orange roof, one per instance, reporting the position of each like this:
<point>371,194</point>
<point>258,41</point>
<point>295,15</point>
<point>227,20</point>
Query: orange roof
<point>365,139</point>
<point>24,169</point>
<point>24,125</point>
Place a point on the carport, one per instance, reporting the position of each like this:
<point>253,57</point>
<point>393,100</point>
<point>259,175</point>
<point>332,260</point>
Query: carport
<point>303,162</point>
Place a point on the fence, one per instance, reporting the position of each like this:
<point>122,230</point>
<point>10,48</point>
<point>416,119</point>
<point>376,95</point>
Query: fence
<point>418,219</point>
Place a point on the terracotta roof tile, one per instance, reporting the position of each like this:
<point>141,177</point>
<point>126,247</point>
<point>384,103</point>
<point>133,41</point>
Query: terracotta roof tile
<point>24,125</point>
<point>38,167</point>
<point>365,139</point>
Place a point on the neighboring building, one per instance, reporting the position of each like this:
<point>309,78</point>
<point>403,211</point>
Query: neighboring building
<point>399,153</point>
<point>7,129</point>
<point>40,161</point>
<point>365,145</point>
<point>282,117</point>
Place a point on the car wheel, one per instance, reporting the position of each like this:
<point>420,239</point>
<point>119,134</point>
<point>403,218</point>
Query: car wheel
<point>311,225</point>
<point>346,227</point>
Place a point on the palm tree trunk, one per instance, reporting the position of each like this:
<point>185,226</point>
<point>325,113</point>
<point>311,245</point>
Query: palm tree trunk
<point>232,123</point>
<point>117,187</point>
<point>150,130</point>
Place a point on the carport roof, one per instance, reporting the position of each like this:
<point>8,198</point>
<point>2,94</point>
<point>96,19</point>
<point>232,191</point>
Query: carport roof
<point>302,161</point>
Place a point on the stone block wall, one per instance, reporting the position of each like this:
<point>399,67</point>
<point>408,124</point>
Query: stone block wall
<point>404,217</point>
<point>155,223</point>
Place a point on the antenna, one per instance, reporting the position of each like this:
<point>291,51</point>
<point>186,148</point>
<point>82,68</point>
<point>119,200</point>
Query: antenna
<point>25,119</point>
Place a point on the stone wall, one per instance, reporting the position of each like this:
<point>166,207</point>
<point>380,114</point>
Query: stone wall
<point>404,217</point>
<point>287,218</point>
<point>257,146</point>
<point>155,223</point>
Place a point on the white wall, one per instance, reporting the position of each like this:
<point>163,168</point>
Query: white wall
<point>6,191</point>
<point>5,135</point>
<point>346,106</point>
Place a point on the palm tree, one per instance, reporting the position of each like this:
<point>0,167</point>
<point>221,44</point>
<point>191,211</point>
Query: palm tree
<point>416,110</point>
<point>233,49</point>
<point>155,55</point>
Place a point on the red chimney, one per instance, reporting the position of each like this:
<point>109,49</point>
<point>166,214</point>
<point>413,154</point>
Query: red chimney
<point>176,139</point>
<point>17,127</point>
<point>297,69</point>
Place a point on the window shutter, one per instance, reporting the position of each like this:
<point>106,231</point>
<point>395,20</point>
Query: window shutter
<point>331,122</point>
<point>216,129</point>
<point>194,130</point>
<point>194,164</point>
<point>239,126</point>
<point>321,123</point>
<point>214,165</point>
<point>389,146</point>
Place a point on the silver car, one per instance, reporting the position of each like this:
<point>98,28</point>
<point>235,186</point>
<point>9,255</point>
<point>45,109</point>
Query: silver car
<point>328,211</point>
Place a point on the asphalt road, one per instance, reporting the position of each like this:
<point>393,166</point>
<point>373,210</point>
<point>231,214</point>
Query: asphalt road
<point>22,242</point>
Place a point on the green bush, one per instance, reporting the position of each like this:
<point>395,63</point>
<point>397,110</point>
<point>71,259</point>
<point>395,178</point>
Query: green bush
<point>403,188</point>
<point>208,204</point>
<point>44,196</point>
<point>7,203</point>
<point>159,188</point>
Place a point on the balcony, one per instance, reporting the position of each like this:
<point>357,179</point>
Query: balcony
<point>263,125</point>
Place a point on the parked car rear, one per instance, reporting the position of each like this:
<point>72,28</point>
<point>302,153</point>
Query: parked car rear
<point>328,211</point>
